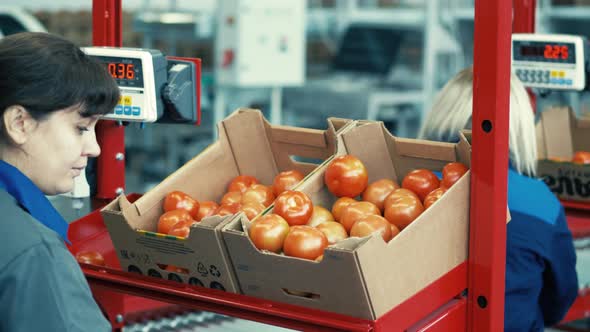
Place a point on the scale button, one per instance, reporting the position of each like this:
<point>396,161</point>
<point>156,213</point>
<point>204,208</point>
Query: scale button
<point>135,110</point>
<point>127,110</point>
<point>553,73</point>
<point>562,74</point>
<point>127,100</point>
<point>118,109</point>
<point>568,82</point>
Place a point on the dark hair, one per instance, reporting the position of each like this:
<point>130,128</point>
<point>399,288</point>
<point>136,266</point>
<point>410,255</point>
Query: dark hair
<point>45,73</point>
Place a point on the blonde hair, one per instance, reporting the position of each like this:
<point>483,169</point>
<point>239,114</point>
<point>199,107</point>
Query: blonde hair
<point>452,112</point>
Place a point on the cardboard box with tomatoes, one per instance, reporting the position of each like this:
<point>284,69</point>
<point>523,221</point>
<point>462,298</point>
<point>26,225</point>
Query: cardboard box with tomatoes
<point>157,235</point>
<point>563,143</point>
<point>384,249</point>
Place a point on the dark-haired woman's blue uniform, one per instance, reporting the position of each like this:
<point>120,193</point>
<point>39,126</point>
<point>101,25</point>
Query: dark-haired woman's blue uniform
<point>37,272</point>
<point>541,280</point>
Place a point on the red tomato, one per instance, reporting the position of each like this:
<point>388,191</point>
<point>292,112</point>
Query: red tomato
<point>339,205</point>
<point>377,191</point>
<point>182,228</point>
<point>90,257</point>
<point>170,218</point>
<point>294,206</point>
<point>403,210</point>
<point>207,209</point>
<point>334,231</point>
<point>581,157</point>
<point>371,224</point>
<point>357,211</point>
<point>268,232</point>
<point>421,181</point>
<point>252,209</point>
<point>259,193</point>
<point>231,197</point>
<point>178,200</point>
<point>227,209</point>
<point>346,176</point>
<point>451,173</point>
<point>176,269</point>
<point>305,242</point>
<point>433,197</point>
<point>398,193</point>
<point>182,231</point>
<point>319,215</point>
<point>241,183</point>
<point>286,181</point>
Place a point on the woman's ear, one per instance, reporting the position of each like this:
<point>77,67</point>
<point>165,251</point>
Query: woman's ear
<point>18,124</point>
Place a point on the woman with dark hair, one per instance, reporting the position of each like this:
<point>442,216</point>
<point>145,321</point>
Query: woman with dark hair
<point>51,97</point>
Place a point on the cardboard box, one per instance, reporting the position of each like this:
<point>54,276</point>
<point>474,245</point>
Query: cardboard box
<point>559,135</point>
<point>248,145</point>
<point>366,277</point>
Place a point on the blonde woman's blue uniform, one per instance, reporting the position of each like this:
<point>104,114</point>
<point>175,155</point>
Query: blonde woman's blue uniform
<point>541,280</point>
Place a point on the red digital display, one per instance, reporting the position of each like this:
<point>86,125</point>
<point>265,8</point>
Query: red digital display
<point>556,52</point>
<point>544,51</point>
<point>121,70</point>
<point>128,72</point>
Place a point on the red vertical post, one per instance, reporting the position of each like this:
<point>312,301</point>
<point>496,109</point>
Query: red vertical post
<point>489,165</point>
<point>524,16</point>
<point>110,168</point>
<point>524,22</point>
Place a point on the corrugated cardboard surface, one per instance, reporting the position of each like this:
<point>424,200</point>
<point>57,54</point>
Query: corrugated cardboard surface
<point>248,145</point>
<point>560,135</point>
<point>366,277</point>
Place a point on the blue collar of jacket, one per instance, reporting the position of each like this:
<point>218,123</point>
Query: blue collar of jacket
<point>30,198</point>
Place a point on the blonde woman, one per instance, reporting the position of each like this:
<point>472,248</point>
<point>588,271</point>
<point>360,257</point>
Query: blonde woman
<point>541,280</point>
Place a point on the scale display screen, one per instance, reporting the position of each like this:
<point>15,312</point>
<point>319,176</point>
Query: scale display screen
<point>126,71</point>
<point>544,52</point>
<point>549,61</point>
<point>140,75</point>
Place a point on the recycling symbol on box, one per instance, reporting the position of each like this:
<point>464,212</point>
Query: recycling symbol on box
<point>214,271</point>
<point>202,269</point>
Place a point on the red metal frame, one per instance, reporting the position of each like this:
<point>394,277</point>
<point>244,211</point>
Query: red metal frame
<point>489,165</point>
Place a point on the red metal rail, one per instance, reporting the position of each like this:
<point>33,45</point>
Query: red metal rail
<point>440,297</point>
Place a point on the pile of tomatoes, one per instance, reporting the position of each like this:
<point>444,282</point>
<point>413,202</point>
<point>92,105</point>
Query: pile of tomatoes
<point>298,228</point>
<point>580,157</point>
<point>244,193</point>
